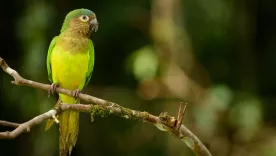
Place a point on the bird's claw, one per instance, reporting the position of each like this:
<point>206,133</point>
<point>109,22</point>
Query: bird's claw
<point>53,88</point>
<point>76,93</point>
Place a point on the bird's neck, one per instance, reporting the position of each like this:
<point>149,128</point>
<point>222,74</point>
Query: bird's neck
<point>73,42</point>
<point>76,32</point>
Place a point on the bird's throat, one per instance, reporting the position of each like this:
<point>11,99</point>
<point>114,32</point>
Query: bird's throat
<point>72,43</point>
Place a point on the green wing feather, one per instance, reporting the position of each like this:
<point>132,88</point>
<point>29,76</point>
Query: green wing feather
<point>49,68</point>
<point>91,62</point>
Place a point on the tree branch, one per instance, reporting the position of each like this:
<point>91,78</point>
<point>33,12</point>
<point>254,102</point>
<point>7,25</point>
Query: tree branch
<point>101,107</point>
<point>26,126</point>
<point>8,124</point>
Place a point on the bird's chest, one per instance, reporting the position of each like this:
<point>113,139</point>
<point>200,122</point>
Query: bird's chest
<point>69,69</point>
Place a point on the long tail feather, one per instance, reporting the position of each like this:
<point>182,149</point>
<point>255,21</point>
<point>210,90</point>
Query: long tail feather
<point>68,131</point>
<point>68,128</point>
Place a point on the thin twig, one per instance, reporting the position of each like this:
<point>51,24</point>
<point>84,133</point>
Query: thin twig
<point>8,124</point>
<point>163,122</point>
<point>180,115</point>
<point>26,126</point>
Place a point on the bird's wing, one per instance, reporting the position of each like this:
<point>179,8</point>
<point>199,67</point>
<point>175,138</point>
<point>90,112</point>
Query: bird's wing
<point>50,50</point>
<point>91,62</point>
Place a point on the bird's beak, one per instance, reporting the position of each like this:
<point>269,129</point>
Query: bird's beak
<point>94,24</point>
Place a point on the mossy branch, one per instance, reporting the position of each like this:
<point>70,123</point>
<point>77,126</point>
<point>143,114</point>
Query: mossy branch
<point>101,107</point>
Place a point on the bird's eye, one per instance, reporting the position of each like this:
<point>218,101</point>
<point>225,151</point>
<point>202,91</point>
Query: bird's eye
<point>84,18</point>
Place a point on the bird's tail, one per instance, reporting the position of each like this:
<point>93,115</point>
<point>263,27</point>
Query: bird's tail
<point>68,127</point>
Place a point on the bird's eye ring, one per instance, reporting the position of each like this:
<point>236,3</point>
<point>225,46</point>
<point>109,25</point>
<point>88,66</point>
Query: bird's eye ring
<point>84,18</point>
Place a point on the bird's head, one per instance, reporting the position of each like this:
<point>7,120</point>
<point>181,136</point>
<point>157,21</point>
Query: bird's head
<point>81,22</point>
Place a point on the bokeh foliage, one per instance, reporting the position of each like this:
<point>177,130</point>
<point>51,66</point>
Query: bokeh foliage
<point>218,55</point>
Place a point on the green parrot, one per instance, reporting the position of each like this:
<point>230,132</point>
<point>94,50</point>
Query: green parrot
<point>70,62</point>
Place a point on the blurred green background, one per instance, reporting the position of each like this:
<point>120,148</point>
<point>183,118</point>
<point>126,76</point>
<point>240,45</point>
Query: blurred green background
<point>217,55</point>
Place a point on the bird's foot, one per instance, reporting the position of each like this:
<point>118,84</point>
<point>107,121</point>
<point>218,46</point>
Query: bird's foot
<point>76,93</point>
<point>53,88</point>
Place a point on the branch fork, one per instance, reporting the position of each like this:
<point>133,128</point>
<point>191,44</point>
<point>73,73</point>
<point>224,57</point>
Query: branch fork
<point>164,122</point>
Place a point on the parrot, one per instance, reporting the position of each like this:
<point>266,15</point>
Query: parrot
<point>70,63</point>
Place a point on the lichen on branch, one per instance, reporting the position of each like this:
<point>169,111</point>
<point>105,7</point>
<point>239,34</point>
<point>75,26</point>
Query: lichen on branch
<point>103,108</point>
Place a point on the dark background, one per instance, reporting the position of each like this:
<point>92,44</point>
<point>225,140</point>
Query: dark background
<point>217,55</point>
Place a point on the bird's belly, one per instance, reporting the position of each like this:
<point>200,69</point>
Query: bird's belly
<point>69,69</point>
